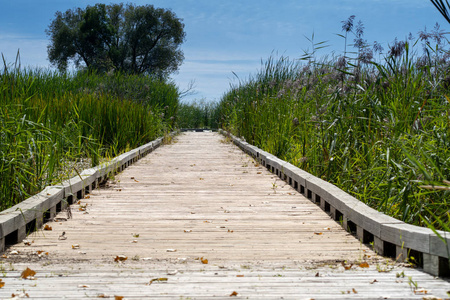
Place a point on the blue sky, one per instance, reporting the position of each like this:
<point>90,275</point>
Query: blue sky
<point>225,36</point>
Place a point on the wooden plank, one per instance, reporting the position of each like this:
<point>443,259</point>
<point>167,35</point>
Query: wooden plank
<point>201,197</point>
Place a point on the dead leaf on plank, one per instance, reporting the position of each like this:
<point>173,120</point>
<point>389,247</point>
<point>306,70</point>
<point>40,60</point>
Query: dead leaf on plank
<point>347,267</point>
<point>118,297</point>
<point>47,227</point>
<point>2,284</point>
<point>83,286</point>
<point>162,279</point>
<point>373,281</point>
<point>318,233</point>
<point>239,275</point>
<point>120,258</point>
<point>204,260</point>
<point>233,294</point>
<point>59,219</point>
<point>364,265</point>
<point>28,273</point>
<point>27,242</point>
<point>354,291</point>
<point>76,246</point>
<point>420,291</point>
<point>188,230</point>
<point>22,295</point>
<point>171,250</point>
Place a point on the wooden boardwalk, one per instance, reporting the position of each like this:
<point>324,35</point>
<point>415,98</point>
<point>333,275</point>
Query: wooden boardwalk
<point>199,219</point>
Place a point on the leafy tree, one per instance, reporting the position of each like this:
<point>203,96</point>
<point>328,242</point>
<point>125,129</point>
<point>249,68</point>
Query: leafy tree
<point>127,38</point>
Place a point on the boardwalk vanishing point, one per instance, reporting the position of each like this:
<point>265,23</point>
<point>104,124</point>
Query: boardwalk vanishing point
<point>199,219</point>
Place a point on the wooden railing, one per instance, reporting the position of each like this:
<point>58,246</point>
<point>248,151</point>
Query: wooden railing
<point>389,236</point>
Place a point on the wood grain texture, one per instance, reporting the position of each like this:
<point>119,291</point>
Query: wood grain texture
<point>202,198</point>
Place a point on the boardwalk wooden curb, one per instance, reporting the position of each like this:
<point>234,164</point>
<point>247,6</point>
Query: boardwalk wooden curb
<point>389,236</point>
<point>18,221</point>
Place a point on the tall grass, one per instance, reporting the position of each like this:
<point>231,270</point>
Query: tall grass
<point>52,123</point>
<point>198,114</point>
<point>379,130</point>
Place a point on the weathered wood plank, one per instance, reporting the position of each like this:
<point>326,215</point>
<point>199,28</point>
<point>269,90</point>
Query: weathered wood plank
<point>202,197</point>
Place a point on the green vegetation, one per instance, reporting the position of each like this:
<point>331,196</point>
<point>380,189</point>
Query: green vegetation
<point>378,130</point>
<point>51,123</point>
<point>126,38</point>
<point>200,114</point>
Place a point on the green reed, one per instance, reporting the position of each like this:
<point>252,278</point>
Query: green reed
<point>197,114</point>
<point>380,131</point>
<point>52,123</point>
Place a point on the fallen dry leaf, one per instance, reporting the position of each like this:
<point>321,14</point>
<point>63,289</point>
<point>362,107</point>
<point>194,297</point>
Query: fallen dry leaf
<point>420,291</point>
<point>239,275</point>
<point>204,260</point>
<point>347,267</point>
<point>118,297</point>
<point>171,250</point>
<point>21,295</point>
<point>120,258</point>
<point>47,227</point>
<point>188,230</point>
<point>59,219</point>
<point>27,273</point>
<point>364,265</point>
<point>163,279</point>
<point>4,256</point>
<point>103,296</point>
<point>83,286</point>
<point>233,294</point>
<point>27,242</point>
<point>76,246</point>
<point>373,281</point>
<point>354,291</point>
<point>318,233</point>
<point>2,284</point>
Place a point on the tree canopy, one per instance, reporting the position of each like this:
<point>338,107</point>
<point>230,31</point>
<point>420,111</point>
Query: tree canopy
<point>127,38</point>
